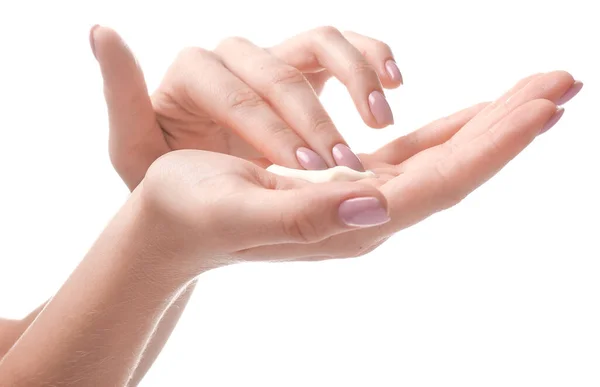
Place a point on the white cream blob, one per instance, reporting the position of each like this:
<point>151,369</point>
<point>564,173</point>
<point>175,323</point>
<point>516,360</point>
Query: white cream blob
<point>322,176</point>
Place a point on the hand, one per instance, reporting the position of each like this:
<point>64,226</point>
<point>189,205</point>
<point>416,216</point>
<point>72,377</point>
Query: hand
<point>184,113</point>
<point>244,100</point>
<point>437,166</point>
<point>256,215</point>
<point>208,209</point>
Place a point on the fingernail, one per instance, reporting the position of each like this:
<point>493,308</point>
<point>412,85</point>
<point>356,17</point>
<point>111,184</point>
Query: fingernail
<point>553,120</point>
<point>569,94</point>
<point>363,212</point>
<point>343,156</point>
<point>309,159</point>
<point>380,108</point>
<point>393,71</point>
<point>92,40</point>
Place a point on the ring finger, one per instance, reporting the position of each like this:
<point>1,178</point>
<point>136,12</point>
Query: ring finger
<point>327,48</point>
<point>290,95</point>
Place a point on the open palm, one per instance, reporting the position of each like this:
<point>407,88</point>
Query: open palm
<point>437,166</point>
<point>421,173</point>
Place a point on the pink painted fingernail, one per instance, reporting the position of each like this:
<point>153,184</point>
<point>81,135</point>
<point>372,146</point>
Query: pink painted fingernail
<point>569,94</point>
<point>92,40</point>
<point>343,156</point>
<point>380,108</point>
<point>363,212</point>
<point>553,120</point>
<point>393,71</point>
<point>309,159</point>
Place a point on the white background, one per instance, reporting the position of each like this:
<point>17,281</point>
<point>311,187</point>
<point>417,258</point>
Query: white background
<point>502,290</point>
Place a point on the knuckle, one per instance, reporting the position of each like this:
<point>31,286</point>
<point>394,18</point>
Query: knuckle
<point>382,47</point>
<point>244,98</point>
<point>321,123</point>
<point>193,52</point>
<point>361,67</point>
<point>286,75</point>
<point>232,41</point>
<point>327,32</point>
<point>300,228</point>
<point>280,132</point>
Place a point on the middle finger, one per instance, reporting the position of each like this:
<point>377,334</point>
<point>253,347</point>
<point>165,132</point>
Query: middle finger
<point>551,86</point>
<point>289,93</point>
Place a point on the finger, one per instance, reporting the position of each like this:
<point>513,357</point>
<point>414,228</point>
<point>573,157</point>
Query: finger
<point>326,48</point>
<point>414,196</point>
<point>291,96</point>
<point>135,139</point>
<point>419,193</point>
<point>317,80</point>
<point>551,86</point>
<point>234,104</point>
<point>306,214</point>
<point>429,136</point>
<point>380,55</point>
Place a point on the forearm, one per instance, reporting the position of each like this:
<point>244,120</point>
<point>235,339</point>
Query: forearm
<point>15,328</point>
<point>95,329</point>
<point>11,330</point>
<point>161,334</point>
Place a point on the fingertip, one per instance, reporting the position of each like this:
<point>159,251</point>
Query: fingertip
<point>392,74</point>
<point>570,93</point>
<point>92,39</point>
<point>104,40</point>
<point>359,189</point>
<point>344,156</point>
<point>540,107</point>
<point>355,204</point>
<point>534,117</point>
<point>543,105</point>
<point>563,76</point>
<point>380,109</point>
<point>560,111</point>
<point>309,159</point>
<point>363,212</point>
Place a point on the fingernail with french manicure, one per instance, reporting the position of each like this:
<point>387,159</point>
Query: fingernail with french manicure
<point>380,108</point>
<point>343,156</point>
<point>310,160</point>
<point>92,40</point>
<point>553,120</point>
<point>569,94</point>
<point>363,212</point>
<point>393,71</point>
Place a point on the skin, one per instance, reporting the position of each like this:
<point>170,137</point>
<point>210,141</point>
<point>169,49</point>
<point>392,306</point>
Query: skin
<point>159,256</point>
<point>134,143</point>
<point>249,115</point>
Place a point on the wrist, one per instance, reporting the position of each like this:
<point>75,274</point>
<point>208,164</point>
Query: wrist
<point>172,246</point>
<point>153,252</point>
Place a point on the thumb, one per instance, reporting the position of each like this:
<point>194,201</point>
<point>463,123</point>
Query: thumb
<point>310,213</point>
<point>136,139</point>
